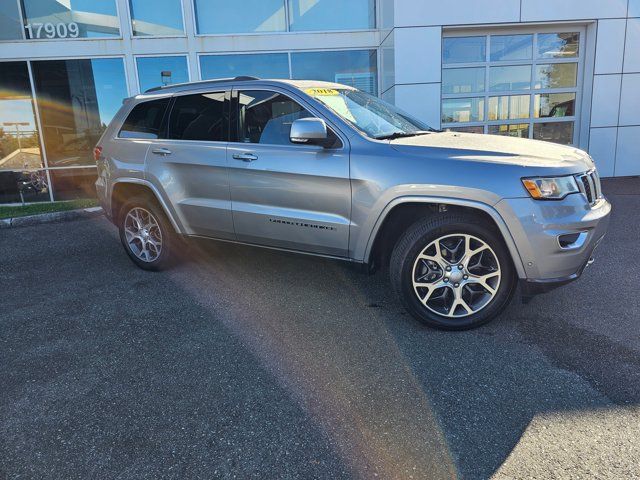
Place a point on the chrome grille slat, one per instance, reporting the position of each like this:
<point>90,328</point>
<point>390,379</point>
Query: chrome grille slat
<point>589,184</point>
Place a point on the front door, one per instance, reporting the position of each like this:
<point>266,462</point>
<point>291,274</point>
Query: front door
<point>191,163</point>
<point>283,194</point>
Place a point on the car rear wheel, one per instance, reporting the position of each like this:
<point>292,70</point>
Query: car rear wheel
<point>452,272</point>
<point>146,234</point>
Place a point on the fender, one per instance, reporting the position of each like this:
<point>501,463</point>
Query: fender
<point>177,225</point>
<point>502,226</point>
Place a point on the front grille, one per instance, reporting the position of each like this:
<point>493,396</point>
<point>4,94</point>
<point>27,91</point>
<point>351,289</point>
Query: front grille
<point>589,184</point>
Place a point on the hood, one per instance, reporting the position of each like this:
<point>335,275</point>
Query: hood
<point>496,149</point>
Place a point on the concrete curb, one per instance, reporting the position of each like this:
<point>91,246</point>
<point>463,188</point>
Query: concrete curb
<point>50,217</point>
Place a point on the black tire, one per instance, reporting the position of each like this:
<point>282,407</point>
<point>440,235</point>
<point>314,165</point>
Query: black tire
<point>168,235</point>
<point>418,237</point>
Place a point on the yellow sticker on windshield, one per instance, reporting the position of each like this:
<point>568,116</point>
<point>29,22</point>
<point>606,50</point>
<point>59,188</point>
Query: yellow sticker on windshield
<point>322,91</point>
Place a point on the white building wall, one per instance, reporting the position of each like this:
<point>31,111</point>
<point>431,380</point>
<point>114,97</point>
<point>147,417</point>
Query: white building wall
<point>610,124</point>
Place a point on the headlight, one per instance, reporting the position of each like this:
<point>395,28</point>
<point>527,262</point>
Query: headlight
<point>550,188</point>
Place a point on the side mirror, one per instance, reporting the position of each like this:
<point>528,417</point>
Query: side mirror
<point>310,131</point>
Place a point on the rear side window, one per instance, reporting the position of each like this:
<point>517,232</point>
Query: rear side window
<point>198,117</point>
<point>145,120</point>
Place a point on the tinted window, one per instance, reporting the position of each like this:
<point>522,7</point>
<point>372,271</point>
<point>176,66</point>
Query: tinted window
<point>198,117</point>
<point>261,65</point>
<point>145,120</point>
<point>266,117</point>
<point>158,71</point>
<point>156,17</point>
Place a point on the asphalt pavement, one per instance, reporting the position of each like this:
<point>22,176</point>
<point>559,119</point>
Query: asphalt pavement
<point>247,363</point>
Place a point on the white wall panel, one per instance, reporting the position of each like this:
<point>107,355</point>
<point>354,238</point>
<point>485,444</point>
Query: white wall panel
<point>410,13</point>
<point>632,48</point>
<point>387,63</point>
<point>628,155</point>
<point>553,10</point>
<point>418,53</point>
<point>630,100</point>
<point>606,100</point>
<point>634,8</point>
<point>422,101</point>
<point>610,46</point>
<point>602,147</point>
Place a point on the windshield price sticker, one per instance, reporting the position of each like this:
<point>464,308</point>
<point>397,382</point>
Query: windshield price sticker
<point>322,91</point>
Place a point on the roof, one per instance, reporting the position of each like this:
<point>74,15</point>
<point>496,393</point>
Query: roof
<point>300,84</point>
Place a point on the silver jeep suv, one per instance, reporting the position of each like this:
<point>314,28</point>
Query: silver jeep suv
<point>325,169</point>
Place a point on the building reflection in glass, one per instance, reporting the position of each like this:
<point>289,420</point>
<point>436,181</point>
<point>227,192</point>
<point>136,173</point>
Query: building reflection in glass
<point>77,99</point>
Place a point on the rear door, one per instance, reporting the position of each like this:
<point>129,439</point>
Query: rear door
<point>283,194</point>
<point>191,162</point>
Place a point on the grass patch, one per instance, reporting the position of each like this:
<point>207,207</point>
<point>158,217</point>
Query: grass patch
<point>46,207</point>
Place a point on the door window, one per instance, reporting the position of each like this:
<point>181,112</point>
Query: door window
<point>266,117</point>
<point>199,117</point>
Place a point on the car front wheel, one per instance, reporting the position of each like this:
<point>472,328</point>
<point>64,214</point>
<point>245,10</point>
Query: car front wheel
<point>452,272</point>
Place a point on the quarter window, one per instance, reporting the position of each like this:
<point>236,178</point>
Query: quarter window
<point>266,117</point>
<point>145,120</point>
<point>198,117</point>
<point>521,85</point>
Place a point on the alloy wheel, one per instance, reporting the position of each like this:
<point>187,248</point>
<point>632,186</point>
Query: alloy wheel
<point>456,275</point>
<point>143,234</point>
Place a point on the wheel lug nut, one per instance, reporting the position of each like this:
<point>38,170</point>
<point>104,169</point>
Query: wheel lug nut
<point>466,277</point>
<point>446,280</point>
<point>448,269</point>
<point>460,267</point>
<point>457,285</point>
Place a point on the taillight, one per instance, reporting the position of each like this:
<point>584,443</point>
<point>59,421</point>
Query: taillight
<point>97,151</point>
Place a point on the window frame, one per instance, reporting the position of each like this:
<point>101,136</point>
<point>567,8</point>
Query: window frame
<point>234,119</point>
<point>531,121</point>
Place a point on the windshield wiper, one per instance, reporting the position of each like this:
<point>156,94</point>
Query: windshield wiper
<point>394,135</point>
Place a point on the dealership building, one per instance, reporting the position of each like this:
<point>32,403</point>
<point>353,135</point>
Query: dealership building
<point>561,71</point>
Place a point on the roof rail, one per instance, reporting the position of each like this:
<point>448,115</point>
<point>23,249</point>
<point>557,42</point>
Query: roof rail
<point>241,78</point>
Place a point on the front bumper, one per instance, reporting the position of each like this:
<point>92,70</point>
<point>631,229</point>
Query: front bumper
<point>537,228</point>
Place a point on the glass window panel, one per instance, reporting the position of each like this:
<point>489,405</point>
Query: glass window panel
<point>458,110</point>
<point>70,18</point>
<point>331,15</point>
<point>558,132</point>
<point>463,80</point>
<point>478,129</point>
<point>556,75</point>
<point>511,47</point>
<point>74,183</point>
<point>520,130</point>
<point>198,117</point>
<point>240,16</point>
<point>510,78</point>
<point>145,120</point>
<point>156,17</point>
<point>158,71</point>
<point>558,45</point>
<point>555,105</point>
<point>77,99</point>
<point>263,65</point>
<point>357,68</point>
<point>10,21</point>
<point>19,139</point>
<point>266,117</point>
<point>509,107</point>
<point>464,49</point>
<point>24,186</point>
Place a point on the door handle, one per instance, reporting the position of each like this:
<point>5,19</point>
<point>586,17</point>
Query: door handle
<point>245,157</point>
<point>161,151</point>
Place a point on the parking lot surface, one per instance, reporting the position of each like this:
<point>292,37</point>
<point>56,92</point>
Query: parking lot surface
<point>247,363</point>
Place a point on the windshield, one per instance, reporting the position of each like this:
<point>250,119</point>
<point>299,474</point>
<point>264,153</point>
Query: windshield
<point>372,116</point>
